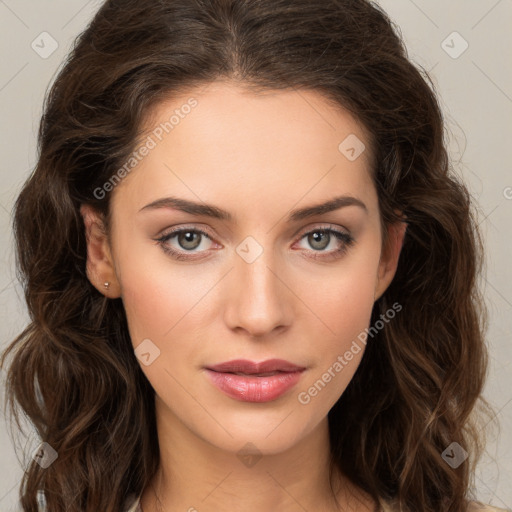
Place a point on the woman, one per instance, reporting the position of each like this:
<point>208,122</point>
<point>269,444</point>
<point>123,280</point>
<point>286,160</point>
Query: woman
<point>250,271</point>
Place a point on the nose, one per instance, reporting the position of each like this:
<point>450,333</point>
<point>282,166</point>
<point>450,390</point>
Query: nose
<point>258,299</point>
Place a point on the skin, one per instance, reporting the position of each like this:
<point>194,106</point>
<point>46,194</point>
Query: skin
<point>258,156</point>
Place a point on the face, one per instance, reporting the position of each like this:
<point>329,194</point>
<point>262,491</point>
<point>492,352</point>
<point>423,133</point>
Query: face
<point>270,278</point>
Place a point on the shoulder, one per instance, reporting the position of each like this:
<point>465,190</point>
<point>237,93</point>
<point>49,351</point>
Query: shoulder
<point>473,506</point>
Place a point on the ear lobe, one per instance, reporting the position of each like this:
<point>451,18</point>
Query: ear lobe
<point>390,256</point>
<point>100,265</point>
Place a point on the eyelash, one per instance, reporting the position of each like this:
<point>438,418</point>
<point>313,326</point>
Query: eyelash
<point>347,240</point>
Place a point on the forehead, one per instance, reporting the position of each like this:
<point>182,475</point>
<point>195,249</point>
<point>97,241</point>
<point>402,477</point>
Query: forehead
<point>222,134</point>
<point>223,107</point>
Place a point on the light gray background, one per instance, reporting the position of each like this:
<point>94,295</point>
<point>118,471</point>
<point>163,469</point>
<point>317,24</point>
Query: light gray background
<point>475,89</point>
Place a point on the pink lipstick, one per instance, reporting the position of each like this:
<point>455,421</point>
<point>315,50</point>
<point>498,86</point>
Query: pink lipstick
<point>248,381</point>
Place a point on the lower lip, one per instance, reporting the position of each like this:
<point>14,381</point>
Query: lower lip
<point>254,389</point>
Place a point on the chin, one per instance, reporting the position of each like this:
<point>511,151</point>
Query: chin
<point>268,433</point>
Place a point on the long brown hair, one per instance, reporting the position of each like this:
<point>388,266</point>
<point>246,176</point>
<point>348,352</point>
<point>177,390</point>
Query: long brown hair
<point>74,373</point>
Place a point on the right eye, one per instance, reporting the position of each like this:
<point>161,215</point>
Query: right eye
<point>188,239</point>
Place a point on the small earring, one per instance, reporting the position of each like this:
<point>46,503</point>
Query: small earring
<point>106,284</point>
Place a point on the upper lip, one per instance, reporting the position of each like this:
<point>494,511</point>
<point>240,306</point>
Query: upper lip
<point>251,367</point>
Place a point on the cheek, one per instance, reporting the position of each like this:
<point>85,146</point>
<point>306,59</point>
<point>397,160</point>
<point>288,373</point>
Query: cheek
<point>157,294</point>
<point>343,300</point>
<point>343,296</point>
<point>164,307</point>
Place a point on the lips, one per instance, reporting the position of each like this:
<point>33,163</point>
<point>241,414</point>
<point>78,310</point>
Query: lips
<point>265,368</point>
<point>248,381</point>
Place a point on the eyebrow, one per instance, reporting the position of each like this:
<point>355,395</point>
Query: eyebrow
<point>207,210</point>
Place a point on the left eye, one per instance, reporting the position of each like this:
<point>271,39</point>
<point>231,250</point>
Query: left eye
<point>318,239</point>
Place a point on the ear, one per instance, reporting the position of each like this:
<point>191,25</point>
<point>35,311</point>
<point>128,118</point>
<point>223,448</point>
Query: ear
<point>389,257</point>
<point>100,264</point>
